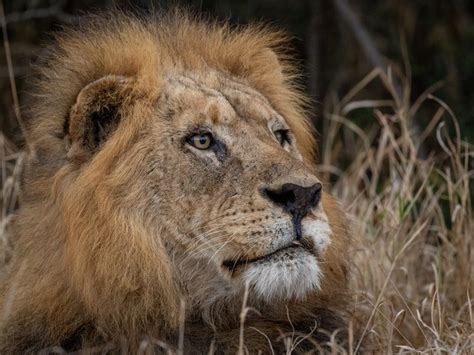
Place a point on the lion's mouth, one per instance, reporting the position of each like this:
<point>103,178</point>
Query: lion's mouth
<point>304,244</point>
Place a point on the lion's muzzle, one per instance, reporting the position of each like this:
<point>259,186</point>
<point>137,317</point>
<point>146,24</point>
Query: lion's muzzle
<point>296,200</point>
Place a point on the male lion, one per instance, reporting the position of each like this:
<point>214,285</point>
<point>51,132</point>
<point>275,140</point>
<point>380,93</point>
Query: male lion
<point>170,176</point>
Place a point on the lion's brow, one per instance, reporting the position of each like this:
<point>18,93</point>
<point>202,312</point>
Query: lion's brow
<point>228,85</point>
<point>246,90</point>
<point>192,84</point>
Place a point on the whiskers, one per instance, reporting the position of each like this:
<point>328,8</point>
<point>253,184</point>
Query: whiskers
<point>207,241</point>
<point>209,237</point>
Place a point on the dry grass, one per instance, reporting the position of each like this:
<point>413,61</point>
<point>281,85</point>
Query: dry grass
<point>412,217</point>
<point>10,160</point>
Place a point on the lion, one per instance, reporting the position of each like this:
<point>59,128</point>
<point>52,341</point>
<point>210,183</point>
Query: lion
<point>170,199</point>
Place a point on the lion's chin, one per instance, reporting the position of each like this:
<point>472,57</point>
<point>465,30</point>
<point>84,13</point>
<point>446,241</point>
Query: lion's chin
<point>291,274</point>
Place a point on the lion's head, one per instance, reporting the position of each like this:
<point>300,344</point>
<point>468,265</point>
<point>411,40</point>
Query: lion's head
<point>171,160</point>
<point>238,195</point>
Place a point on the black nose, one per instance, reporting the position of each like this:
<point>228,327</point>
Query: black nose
<point>296,200</point>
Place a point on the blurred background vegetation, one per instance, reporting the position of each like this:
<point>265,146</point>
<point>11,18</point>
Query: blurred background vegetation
<point>336,41</point>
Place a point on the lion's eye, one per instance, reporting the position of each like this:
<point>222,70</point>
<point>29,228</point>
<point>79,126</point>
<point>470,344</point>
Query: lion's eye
<point>201,141</point>
<point>282,135</point>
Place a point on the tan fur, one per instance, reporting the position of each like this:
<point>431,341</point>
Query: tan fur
<point>112,230</point>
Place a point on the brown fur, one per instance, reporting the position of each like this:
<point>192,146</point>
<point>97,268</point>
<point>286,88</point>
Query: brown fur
<point>91,263</point>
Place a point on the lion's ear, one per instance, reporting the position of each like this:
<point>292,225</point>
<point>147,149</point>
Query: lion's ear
<point>96,114</point>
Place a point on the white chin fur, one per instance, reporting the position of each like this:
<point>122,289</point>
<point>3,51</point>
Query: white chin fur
<point>293,273</point>
<point>287,277</point>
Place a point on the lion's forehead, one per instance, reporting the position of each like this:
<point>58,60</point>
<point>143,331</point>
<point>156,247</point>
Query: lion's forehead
<point>224,98</point>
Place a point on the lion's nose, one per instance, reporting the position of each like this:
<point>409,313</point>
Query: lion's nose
<point>295,199</point>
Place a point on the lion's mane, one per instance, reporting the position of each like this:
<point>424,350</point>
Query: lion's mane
<point>83,268</point>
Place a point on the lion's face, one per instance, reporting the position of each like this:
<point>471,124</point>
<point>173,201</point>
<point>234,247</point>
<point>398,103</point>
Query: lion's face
<point>230,187</point>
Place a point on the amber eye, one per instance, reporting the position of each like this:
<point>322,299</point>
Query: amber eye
<point>201,141</point>
<point>282,136</point>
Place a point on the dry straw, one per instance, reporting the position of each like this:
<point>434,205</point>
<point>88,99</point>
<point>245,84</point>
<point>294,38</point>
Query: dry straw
<point>412,213</point>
